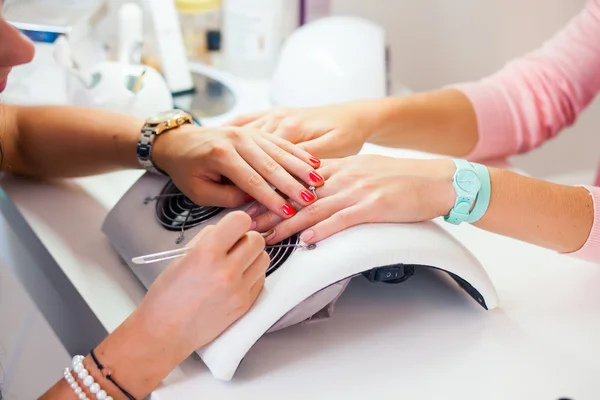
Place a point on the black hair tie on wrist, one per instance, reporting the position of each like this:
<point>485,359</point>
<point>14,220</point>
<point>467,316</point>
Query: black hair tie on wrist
<point>107,376</point>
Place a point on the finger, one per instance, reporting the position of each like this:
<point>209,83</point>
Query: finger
<point>266,220</point>
<point>256,289</point>
<point>316,212</point>
<point>258,124</point>
<point>228,231</point>
<point>241,172</point>
<point>339,221</point>
<point>270,124</point>
<point>200,235</point>
<point>256,209</point>
<point>280,174</point>
<point>257,269</point>
<point>328,146</point>
<point>245,119</point>
<point>330,167</point>
<point>295,150</point>
<point>209,193</point>
<point>245,251</point>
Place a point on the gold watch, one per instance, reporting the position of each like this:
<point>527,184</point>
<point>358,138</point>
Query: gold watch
<point>156,125</point>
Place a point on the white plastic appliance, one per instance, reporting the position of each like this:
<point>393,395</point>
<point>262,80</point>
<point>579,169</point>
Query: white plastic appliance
<point>332,60</point>
<point>302,282</point>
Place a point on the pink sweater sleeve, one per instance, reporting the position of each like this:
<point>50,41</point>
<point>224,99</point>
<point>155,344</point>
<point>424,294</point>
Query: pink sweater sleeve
<point>534,97</point>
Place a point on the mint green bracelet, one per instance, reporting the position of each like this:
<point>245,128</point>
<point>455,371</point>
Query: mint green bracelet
<point>483,197</point>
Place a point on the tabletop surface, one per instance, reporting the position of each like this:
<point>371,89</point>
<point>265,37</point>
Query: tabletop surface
<point>420,339</point>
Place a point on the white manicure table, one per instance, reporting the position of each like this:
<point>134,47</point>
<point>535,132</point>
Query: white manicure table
<point>421,339</point>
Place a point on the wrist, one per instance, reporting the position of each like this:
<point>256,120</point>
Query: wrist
<point>137,356</point>
<point>440,192</point>
<point>165,146</point>
<point>385,115</point>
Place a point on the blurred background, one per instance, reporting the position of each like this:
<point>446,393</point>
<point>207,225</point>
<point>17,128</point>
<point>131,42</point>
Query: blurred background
<point>430,43</point>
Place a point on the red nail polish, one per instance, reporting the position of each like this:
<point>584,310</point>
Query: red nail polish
<point>315,161</point>
<point>288,210</point>
<point>307,196</point>
<point>248,198</point>
<point>315,177</point>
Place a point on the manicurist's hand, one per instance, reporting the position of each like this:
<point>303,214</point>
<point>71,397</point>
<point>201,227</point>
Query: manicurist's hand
<point>364,189</point>
<point>199,158</point>
<point>326,132</point>
<point>191,303</point>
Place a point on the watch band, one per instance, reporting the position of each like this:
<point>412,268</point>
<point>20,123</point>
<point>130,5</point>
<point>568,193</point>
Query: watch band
<point>462,205</point>
<point>483,197</point>
<point>144,151</point>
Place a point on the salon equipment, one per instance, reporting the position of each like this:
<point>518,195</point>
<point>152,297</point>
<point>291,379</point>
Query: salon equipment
<point>253,32</point>
<point>170,46</point>
<point>201,27</point>
<point>331,60</point>
<point>44,80</point>
<point>131,33</point>
<point>302,282</point>
<point>137,90</point>
<point>63,55</point>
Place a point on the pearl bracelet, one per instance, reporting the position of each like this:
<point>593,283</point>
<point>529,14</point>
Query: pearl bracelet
<point>87,379</point>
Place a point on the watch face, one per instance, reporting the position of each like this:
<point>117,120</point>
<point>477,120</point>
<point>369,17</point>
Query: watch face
<point>467,180</point>
<point>164,116</point>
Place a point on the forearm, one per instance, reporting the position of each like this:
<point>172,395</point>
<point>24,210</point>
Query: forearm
<point>62,141</point>
<point>138,356</point>
<point>440,122</point>
<point>553,216</point>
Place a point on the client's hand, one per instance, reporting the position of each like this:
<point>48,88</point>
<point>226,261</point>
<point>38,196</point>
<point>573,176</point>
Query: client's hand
<point>363,189</point>
<point>198,158</point>
<point>331,131</point>
<point>192,302</point>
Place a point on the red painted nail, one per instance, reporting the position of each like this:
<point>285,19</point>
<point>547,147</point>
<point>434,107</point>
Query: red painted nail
<point>315,177</point>
<point>288,210</point>
<point>315,161</point>
<point>248,198</point>
<point>307,196</point>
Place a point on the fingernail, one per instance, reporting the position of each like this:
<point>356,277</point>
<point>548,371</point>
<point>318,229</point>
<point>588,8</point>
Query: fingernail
<point>252,210</point>
<point>315,161</point>
<point>268,234</point>
<point>253,225</point>
<point>248,198</point>
<point>315,177</point>
<point>288,210</point>
<point>307,235</point>
<point>307,196</point>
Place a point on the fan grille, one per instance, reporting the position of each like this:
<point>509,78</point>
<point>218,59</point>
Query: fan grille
<point>278,255</point>
<point>176,212</point>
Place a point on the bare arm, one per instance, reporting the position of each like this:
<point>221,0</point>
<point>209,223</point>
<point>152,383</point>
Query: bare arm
<point>366,189</point>
<point>557,217</point>
<point>529,101</point>
<point>56,141</point>
<point>440,122</point>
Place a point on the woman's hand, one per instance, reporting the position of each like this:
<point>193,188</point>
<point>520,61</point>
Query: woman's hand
<point>192,302</point>
<point>198,158</point>
<point>200,295</point>
<point>325,132</point>
<point>369,188</point>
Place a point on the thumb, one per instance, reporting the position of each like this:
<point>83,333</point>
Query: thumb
<point>325,146</point>
<point>245,119</point>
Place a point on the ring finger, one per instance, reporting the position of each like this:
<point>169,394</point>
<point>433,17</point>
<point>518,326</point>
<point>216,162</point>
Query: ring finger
<point>278,176</point>
<point>309,216</point>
